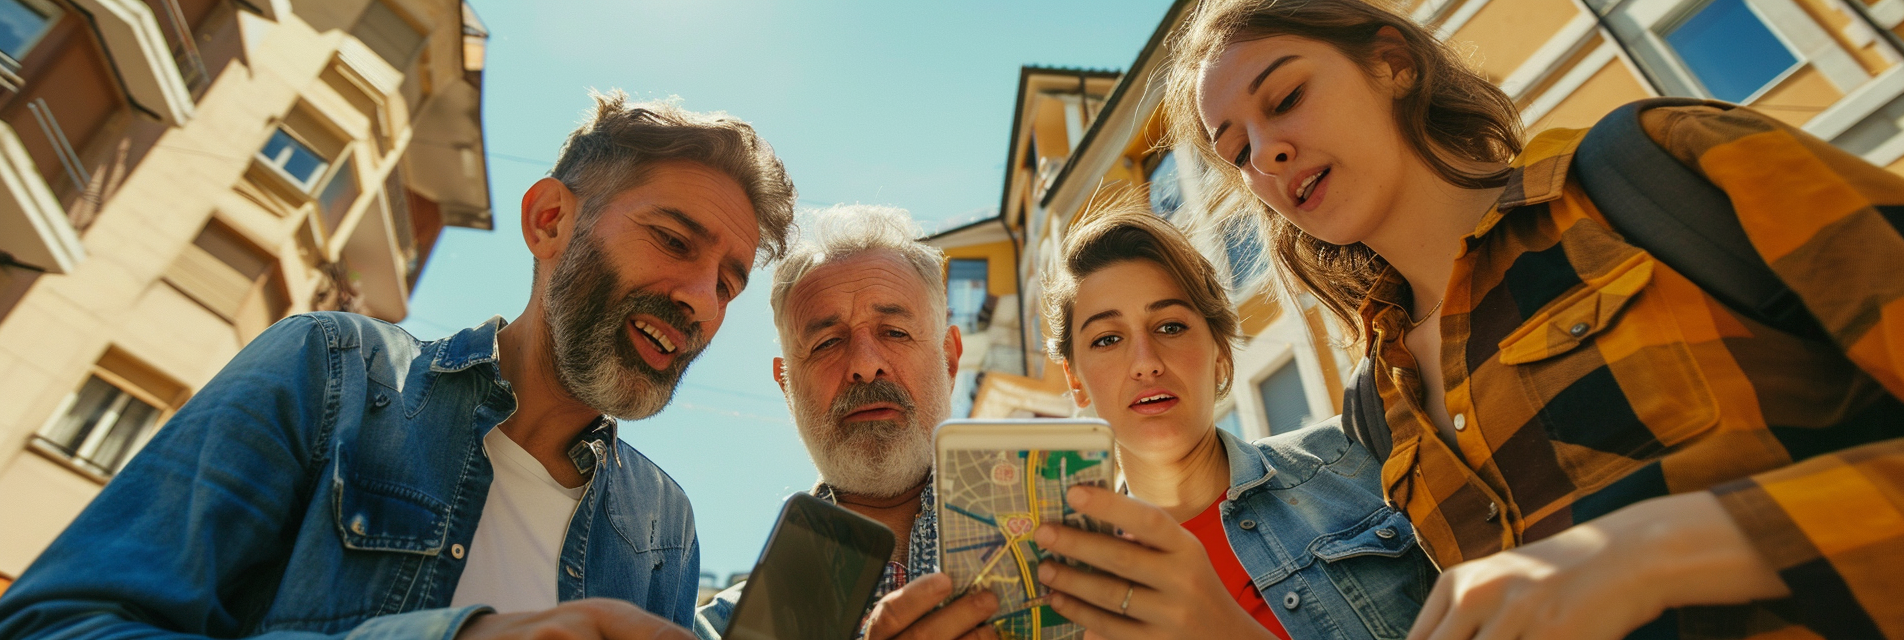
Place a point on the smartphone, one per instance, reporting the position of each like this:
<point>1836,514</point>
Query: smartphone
<point>816,577</point>
<point>994,482</point>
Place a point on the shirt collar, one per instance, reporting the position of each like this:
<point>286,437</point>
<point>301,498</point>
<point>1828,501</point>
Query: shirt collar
<point>469,347</point>
<point>1537,175</point>
<point>1249,468</point>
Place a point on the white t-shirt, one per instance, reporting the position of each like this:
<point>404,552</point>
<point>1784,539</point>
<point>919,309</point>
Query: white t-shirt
<point>514,556</point>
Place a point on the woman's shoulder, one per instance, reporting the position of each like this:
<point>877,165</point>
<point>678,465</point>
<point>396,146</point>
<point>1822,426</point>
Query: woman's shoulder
<point>1299,455</point>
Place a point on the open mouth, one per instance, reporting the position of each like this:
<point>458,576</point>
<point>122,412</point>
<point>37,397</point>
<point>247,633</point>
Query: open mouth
<point>1308,186</point>
<point>1155,398</point>
<point>656,336</point>
<point>1154,403</point>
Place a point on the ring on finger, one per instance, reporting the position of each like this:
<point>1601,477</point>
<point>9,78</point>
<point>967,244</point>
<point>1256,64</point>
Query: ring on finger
<point>1124,609</point>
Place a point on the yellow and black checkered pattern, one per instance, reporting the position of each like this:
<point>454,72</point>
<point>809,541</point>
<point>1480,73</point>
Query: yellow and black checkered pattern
<point>1587,376</point>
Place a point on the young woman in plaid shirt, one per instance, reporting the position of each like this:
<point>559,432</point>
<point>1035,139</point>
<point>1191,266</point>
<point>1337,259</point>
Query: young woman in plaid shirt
<point>1586,441</point>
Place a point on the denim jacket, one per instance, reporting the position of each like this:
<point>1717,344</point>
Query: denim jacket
<point>1306,518</point>
<point>327,483</point>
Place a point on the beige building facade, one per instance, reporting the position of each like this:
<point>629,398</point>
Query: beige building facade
<point>176,175</point>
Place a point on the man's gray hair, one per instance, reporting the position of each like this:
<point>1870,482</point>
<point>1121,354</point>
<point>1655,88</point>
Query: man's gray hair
<point>619,142</point>
<point>844,231</point>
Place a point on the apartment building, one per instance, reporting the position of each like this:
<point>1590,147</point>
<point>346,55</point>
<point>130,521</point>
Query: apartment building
<point>1074,133</point>
<point>176,175</point>
<point>1830,67</point>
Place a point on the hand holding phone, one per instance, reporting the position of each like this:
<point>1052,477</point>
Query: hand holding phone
<point>816,576</point>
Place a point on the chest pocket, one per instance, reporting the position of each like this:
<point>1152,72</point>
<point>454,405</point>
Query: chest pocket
<point>1609,369</point>
<point>374,514</point>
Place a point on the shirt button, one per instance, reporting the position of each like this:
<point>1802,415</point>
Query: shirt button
<point>1579,329</point>
<point>1460,422</point>
<point>456,551</point>
<point>1493,511</point>
<point>357,524</point>
<point>381,400</point>
<point>1247,524</point>
<point>572,572</point>
<point>1385,533</point>
<point>1291,601</point>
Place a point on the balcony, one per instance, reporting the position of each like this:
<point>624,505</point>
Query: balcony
<point>34,230</point>
<point>137,42</point>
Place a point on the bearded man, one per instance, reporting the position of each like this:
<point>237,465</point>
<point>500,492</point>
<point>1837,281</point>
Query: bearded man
<point>340,478</point>
<point>867,364</point>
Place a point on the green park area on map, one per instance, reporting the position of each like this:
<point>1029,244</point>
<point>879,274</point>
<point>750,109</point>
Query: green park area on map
<point>990,502</point>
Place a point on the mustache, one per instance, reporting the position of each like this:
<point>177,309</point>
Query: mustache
<point>860,394</point>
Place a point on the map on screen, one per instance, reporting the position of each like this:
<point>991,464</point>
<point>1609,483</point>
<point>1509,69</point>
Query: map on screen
<point>990,501</point>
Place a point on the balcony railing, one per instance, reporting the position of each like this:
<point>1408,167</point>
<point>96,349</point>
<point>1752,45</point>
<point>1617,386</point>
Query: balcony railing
<point>184,47</point>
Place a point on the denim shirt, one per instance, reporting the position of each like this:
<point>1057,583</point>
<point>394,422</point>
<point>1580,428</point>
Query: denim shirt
<point>327,483</point>
<point>1306,518</point>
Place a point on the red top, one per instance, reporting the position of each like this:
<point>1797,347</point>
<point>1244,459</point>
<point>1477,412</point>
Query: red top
<point>1208,527</point>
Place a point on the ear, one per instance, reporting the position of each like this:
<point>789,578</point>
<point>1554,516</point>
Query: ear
<point>954,347</point>
<point>548,218</point>
<point>1400,69</point>
<point>1071,380</point>
<point>780,373</point>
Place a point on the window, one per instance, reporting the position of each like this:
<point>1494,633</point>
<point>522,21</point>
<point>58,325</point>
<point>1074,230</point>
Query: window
<point>1166,193</point>
<point>388,34</point>
<point>338,195</point>
<point>966,293</point>
<point>298,162</point>
<point>1284,402</point>
<point>232,277</point>
<point>99,427</point>
<point>22,22</point>
<point>1730,50</point>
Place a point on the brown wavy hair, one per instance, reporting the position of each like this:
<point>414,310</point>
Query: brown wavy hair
<point>1450,115</point>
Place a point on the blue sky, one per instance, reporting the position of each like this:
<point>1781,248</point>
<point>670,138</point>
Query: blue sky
<point>900,103</point>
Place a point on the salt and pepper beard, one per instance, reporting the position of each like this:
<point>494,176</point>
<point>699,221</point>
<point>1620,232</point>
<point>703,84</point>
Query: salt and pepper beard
<point>873,458</point>
<point>595,357</point>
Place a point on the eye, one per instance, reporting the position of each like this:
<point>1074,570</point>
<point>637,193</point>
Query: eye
<point>1172,328</point>
<point>674,242</point>
<point>1106,340</point>
<point>1289,102</point>
<point>1242,157</point>
<point>824,344</point>
<point>897,334</point>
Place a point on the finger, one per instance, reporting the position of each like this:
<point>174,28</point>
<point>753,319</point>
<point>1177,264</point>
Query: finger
<point>899,609</point>
<point>954,620</point>
<point>1463,616</point>
<point>619,620</point>
<point>984,632</point>
<point>1130,560</point>
<point>1104,591</point>
<point>1433,610</point>
<point>1100,622</point>
<point>1508,623</point>
<point>1140,520</point>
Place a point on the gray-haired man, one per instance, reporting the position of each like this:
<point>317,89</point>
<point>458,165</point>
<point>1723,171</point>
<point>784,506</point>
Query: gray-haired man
<point>341,478</point>
<point>867,365</point>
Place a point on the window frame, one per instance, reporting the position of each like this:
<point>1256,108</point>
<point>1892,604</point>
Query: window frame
<point>1686,11</point>
<point>53,12</point>
<point>79,462</point>
<point>318,180</point>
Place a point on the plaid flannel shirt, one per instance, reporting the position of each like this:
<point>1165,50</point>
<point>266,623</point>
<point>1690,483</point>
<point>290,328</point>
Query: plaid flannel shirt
<point>1584,376</point>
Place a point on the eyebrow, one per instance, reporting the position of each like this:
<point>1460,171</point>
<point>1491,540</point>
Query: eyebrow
<point>732,266</point>
<point>893,310</point>
<point>1254,85</point>
<point>1154,306</point>
<point>819,325</point>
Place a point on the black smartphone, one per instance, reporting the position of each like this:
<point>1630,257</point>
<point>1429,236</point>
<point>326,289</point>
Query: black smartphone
<point>815,578</point>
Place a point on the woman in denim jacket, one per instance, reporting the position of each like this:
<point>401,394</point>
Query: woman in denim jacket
<point>1286,537</point>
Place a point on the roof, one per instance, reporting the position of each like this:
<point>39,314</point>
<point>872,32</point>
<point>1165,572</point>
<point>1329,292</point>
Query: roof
<point>1169,23</point>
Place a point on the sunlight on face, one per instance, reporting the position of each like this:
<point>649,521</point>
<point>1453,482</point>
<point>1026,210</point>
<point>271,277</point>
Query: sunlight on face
<point>1144,357</point>
<point>1311,132</point>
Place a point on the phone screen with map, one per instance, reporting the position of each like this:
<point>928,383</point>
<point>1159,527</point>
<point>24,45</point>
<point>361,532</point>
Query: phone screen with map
<point>994,483</point>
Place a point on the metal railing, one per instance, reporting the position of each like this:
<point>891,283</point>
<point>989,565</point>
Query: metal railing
<point>191,65</point>
<point>69,159</point>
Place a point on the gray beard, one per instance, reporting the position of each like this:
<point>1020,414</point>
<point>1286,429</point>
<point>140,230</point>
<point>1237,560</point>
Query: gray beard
<point>595,359</point>
<point>880,458</point>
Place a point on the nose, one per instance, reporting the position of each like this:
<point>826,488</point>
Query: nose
<point>1272,155</point>
<point>698,298</point>
<point>865,361</point>
<point>1144,360</point>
